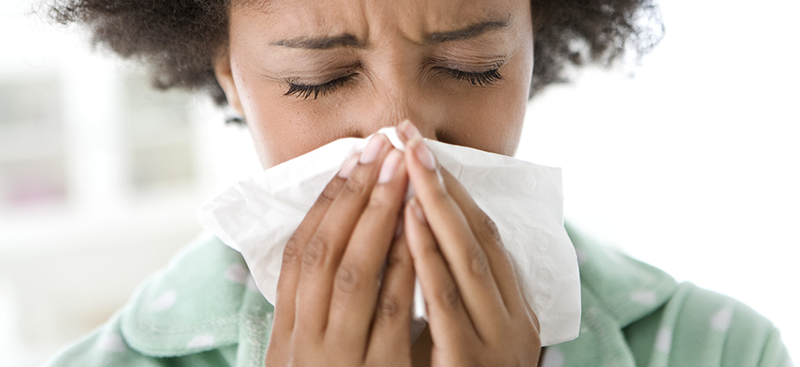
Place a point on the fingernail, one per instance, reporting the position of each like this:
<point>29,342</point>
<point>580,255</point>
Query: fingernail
<point>408,129</point>
<point>390,164</point>
<point>348,166</point>
<point>424,154</point>
<point>373,148</point>
<point>418,210</point>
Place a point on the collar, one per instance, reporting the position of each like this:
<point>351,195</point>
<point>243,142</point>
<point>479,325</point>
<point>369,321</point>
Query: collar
<point>616,290</point>
<point>203,300</point>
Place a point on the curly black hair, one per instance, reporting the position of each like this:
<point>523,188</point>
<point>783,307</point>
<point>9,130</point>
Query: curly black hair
<point>178,39</point>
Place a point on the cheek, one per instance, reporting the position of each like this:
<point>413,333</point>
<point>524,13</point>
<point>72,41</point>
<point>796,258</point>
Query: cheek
<point>491,119</point>
<point>281,128</point>
<point>491,122</point>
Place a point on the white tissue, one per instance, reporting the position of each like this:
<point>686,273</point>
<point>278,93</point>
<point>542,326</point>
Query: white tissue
<point>258,216</point>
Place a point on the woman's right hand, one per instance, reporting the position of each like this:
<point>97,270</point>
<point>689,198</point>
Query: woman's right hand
<point>332,308</point>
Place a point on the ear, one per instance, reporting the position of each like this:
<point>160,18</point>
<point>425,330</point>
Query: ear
<point>222,70</point>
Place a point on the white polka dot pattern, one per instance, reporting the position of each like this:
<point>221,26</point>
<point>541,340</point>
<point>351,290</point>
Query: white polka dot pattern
<point>647,298</point>
<point>200,341</point>
<point>664,340</point>
<point>722,319</point>
<point>165,301</point>
<point>237,273</point>
<point>112,342</point>
<point>251,284</point>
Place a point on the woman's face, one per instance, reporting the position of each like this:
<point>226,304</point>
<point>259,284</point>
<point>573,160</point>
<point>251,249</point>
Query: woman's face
<point>306,72</point>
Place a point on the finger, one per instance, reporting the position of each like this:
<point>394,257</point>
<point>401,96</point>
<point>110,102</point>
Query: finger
<point>406,131</point>
<point>391,327</point>
<point>448,319</point>
<point>290,267</point>
<point>356,284</point>
<point>489,237</point>
<point>323,251</point>
<point>461,249</point>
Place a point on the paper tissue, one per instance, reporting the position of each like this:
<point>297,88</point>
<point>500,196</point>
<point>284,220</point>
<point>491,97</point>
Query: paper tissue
<point>257,217</point>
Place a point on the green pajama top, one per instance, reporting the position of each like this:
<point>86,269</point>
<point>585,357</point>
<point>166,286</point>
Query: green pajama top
<point>204,310</point>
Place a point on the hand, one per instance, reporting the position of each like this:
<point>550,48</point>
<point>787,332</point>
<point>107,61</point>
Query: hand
<point>477,313</point>
<point>332,308</point>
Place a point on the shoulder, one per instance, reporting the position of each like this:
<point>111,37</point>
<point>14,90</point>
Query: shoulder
<point>202,309</point>
<point>634,314</point>
<point>698,327</point>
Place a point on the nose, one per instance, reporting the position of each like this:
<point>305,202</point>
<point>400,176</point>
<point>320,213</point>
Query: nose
<point>397,96</point>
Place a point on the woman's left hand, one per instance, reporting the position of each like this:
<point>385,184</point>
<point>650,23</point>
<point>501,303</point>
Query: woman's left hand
<point>477,313</point>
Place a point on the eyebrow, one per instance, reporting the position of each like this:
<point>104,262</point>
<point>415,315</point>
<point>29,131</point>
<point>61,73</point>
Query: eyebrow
<point>320,43</point>
<point>348,40</point>
<point>471,31</point>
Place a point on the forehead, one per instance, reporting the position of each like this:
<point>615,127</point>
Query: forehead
<point>362,18</point>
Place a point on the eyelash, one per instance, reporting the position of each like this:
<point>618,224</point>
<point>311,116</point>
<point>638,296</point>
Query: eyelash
<point>304,91</point>
<point>478,79</point>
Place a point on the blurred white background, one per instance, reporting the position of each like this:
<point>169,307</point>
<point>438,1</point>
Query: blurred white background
<point>693,166</point>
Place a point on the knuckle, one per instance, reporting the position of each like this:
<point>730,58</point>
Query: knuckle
<point>478,263</point>
<point>430,250</point>
<point>492,232</point>
<point>292,252</point>
<point>315,251</point>
<point>348,278</point>
<point>397,258</point>
<point>507,260</point>
<point>450,297</point>
<point>440,193</point>
<point>353,187</point>
<point>388,306</point>
<point>328,194</point>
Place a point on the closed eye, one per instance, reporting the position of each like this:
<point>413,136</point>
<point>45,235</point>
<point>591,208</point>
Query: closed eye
<point>478,79</point>
<point>305,91</point>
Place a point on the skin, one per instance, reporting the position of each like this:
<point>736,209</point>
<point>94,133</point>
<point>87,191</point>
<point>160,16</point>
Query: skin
<point>398,74</point>
<point>388,62</point>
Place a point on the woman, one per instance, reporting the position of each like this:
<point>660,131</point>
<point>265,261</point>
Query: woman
<point>305,73</point>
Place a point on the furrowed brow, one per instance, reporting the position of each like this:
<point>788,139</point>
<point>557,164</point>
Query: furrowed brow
<point>468,32</point>
<point>348,40</point>
<point>320,43</point>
